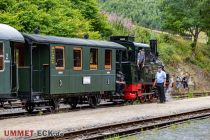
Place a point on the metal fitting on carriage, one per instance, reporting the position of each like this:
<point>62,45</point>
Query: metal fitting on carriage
<point>60,83</point>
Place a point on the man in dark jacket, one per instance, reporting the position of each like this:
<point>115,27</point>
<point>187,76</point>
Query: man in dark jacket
<point>120,83</point>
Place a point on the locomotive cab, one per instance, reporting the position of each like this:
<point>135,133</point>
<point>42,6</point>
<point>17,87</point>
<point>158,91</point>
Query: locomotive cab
<point>138,80</point>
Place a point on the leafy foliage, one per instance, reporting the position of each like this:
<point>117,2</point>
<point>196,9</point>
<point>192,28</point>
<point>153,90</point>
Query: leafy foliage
<point>186,16</point>
<point>63,18</point>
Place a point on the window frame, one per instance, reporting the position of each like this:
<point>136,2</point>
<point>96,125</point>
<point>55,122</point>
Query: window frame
<point>61,48</point>
<point>108,67</point>
<point>77,68</point>
<point>94,66</point>
<point>2,56</point>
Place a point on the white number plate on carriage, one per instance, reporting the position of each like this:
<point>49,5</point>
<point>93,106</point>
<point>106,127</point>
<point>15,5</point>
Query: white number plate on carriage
<point>86,80</point>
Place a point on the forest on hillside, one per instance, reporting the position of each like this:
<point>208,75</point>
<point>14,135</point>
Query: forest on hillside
<point>143,12</point>
<point>175,16</point>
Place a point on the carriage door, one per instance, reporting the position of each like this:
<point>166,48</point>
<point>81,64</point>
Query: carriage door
<point>45,55</point>
<point>41,68</point>
<point>17,62</point>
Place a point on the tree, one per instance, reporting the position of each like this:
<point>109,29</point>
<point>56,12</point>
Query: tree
<point>54,17</point>
<point>90,10</point>
<point>181,16</point>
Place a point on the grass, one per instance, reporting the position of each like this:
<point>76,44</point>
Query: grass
<point>206,94</point>
<point>190,95</point>
<point>136,102</point>
<point>173,126</point>
<point>40,113</point>
<point>114,137</point>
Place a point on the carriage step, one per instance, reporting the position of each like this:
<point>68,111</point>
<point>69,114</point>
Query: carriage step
<point>12,106</point>
<point>42,107</point>
<point>117,100</point>
<point>148,93</point>
<point>40,101</point>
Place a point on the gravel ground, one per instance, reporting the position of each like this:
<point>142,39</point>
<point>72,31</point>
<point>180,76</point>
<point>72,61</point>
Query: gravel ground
<point>96,117</point>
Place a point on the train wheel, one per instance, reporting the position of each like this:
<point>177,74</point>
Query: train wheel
<point>73,103</point>
<point>29,107</point>
<point>150,98</point>
<point>2,104</point>
<point>98,99</point>
<point>93,101</point>
<point>131,102</point>
<point>55,104</point>
<point>142,99</point>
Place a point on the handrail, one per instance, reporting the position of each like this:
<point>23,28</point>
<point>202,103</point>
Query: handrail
<point>17,77</point>
<point>22,67</point>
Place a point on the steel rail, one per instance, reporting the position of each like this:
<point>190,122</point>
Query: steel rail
<point>23,113</point>
<point>120,129</point>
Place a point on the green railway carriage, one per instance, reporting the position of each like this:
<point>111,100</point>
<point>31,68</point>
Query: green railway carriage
<point>9,38</point>
<point>67,68</point>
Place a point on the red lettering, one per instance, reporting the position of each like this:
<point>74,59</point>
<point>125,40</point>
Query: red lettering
<point>31,132</point>
<point>26,133</point>
<point>6,132</point>
<point>13,133</point>
<point>20,133</point>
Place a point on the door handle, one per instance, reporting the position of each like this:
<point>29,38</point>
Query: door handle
<point>60,83</point>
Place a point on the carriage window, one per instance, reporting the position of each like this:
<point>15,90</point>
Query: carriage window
<point>59,57</point>
<point>1,57</point>
<point>108,59</point>
<point>93,59</point>
<point>77,58</point>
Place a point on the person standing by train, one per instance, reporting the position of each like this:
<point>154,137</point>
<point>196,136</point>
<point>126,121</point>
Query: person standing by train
<point>185,82</point>
<point>160,82</point>
<point>141,58</point>
<point>120,83</point>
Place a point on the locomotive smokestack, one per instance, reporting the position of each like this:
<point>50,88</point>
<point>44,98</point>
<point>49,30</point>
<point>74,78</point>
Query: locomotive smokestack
<point>153,47</point>
<point>86,36</point>
<point>36,30</point>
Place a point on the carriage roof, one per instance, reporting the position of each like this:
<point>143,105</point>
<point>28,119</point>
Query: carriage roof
<point>142,45</point>
<point>9,33</point>
<point>36,38</point>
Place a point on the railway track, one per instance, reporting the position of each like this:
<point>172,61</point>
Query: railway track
<point>190,95</point>
<point>22,113</point>
<point>132,127</point>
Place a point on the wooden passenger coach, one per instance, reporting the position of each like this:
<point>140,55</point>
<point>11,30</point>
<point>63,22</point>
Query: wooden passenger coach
<point>74,69</point>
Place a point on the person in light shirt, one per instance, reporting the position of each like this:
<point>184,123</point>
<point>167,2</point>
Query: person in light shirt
<point>160,82</point>
<point>141,58</point>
